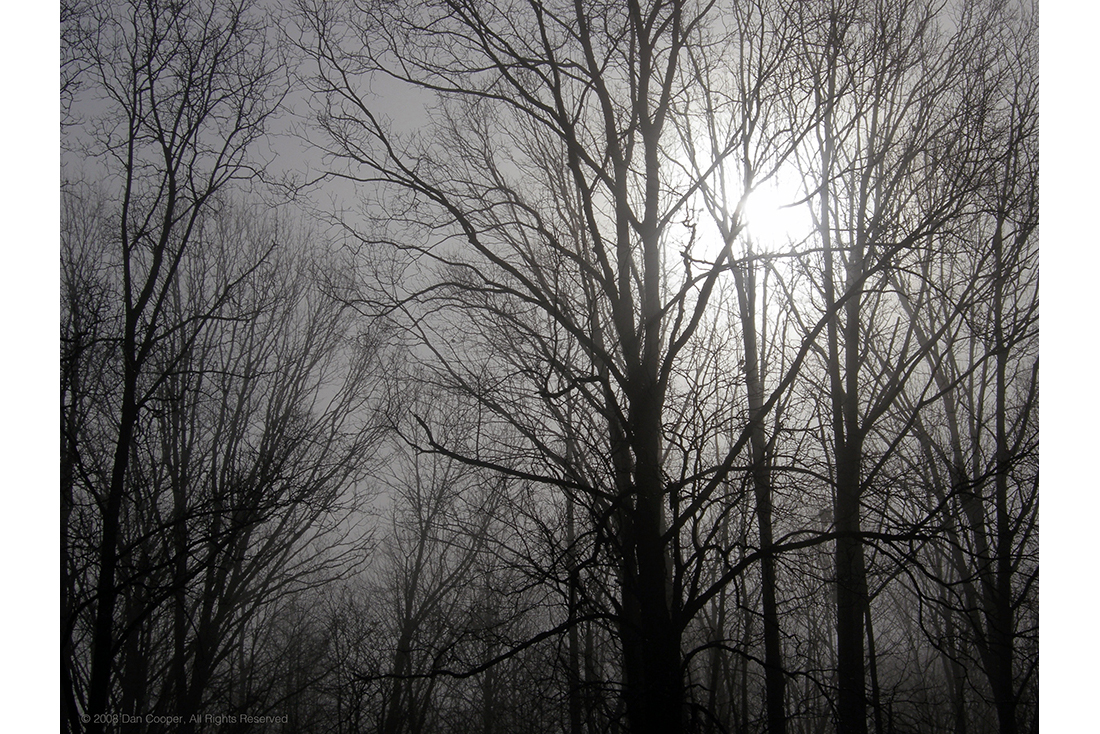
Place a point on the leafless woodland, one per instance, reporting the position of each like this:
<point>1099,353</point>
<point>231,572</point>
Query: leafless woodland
<point>530,366</point>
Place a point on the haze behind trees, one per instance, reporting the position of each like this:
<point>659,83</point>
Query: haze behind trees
<point>514,419</point>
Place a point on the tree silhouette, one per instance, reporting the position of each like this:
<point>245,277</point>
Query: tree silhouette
<point>524,414</point>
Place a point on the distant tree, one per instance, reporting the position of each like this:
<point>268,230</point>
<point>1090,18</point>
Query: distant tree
<point>263,437</point>
<point>168,173</point>
<point>979,449</point>
<point>212,398</point>
<point>441,525</point>
<point>88,324</point>
<point>187,91</point>
<point>900,162</point>
<point>238,487</point>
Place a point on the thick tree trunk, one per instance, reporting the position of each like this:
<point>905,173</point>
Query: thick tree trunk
<point>850,605</point>
<point>651,640</point>
<point>593,697</point>
<point>393,712</point>
<point>851,578</point>
<point>954,672</point>
<point>134,657</point>
<point>654,682</point>
<point>180,622</point>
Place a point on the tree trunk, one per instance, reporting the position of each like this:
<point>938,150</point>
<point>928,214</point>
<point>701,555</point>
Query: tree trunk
<point>774,677</point>
<point>850,595</point>
<point>70,713</point>
<point>103,633</point>
<point>574,679</point>
<point>872,670</point>
<point>850,604</point>
<point>651,643</point>
<point>1000,616</point>
<point>651,640</point>
<point>717,663</point>
<point>392,712</point>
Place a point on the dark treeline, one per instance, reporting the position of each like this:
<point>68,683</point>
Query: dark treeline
<point>638,366</point>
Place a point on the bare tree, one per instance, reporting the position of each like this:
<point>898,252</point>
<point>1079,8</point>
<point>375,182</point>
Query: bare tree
<point>440,528</point>
<point>239,485</point>
<point>547,204</point>
<point>760,111</point>
<point>897,99</point>
<point>188,89</point>
<point>978,451</point>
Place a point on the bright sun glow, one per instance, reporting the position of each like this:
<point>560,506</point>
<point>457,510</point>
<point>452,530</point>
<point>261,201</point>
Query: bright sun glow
<point>770,219</point>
